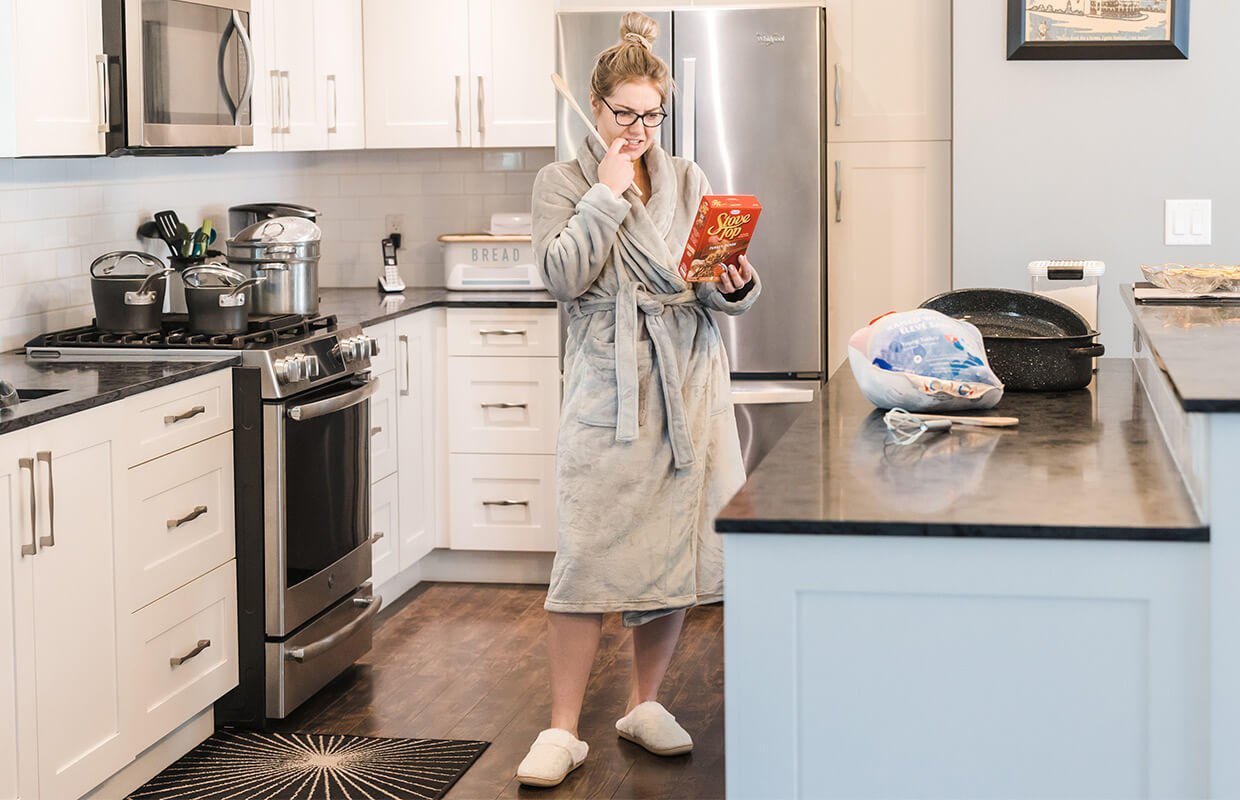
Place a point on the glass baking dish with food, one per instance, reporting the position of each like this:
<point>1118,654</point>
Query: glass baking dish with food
<point>1194,278</point>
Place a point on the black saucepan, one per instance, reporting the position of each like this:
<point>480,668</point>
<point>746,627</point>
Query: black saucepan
<point>1033,343</point>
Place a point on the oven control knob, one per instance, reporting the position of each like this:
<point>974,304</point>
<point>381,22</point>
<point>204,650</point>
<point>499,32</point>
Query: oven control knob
<point>373,345</point>
<point>346,349</point>
<point>289,370</point>
<point>313,367</point>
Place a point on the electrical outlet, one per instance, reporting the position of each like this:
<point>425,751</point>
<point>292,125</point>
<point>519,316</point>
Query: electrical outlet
<point>395,223</point>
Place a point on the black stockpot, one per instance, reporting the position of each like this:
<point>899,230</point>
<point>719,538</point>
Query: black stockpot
<point>1033,343</point>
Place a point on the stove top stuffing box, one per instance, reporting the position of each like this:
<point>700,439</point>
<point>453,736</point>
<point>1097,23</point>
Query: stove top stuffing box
<point>302,448</point>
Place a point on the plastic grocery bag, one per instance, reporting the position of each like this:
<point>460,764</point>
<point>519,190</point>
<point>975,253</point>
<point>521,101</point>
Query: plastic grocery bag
<point>923,360</point>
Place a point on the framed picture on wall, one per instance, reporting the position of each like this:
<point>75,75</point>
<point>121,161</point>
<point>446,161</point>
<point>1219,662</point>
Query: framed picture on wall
<point>1076,29</point>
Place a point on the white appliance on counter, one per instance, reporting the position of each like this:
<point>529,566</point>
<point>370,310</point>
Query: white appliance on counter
<point>489,262</point>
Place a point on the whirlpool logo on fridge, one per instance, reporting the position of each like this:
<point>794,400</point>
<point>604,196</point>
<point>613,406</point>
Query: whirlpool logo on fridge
<point>768,39</point>
<point>496,255</point>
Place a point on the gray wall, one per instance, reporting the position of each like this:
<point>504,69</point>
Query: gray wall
<point>1073,159</point>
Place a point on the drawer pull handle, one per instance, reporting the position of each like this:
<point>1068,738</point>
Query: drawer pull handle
<point>525,503</point>
<point>376,536</point>
<point>505,405</point>
<point>203,644</point>
<point>190,517</point>
<point>375,431</point>
<point>502,332</point>
<point>45,456</point>
<point>172,419</point>
<point>30,549</point>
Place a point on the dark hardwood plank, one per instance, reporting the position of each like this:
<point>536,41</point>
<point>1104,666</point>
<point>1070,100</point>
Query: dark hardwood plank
<point>469,661</point>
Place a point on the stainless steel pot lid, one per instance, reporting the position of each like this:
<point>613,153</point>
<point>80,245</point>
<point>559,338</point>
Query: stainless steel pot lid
<point>143,264</point>
<point>290,230</point>
<point>212,276</point>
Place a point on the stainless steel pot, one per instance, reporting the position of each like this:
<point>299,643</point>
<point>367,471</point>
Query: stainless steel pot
<point>216,299</point>
<point>285,251</point>
<point>128,302</point>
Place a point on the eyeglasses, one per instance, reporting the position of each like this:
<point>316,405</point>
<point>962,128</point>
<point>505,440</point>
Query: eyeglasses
<point>626,118</point>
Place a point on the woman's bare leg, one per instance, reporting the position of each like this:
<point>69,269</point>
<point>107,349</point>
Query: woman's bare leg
<point>653,646</point>
<point>571,642</point>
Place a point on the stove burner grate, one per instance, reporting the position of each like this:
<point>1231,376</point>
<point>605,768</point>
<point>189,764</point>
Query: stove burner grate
<point>264,332</point>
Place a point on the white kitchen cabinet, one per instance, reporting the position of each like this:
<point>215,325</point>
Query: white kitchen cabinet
<point>18,756</point>
<point>511,56</point>
<point>385,524</point>
<point>503,405</point>
<point>384,445</point>
<point>417,376</point>
<point>338,71</point>
<point>64,550</point>
<point>889,233</point>
<point>476,77</point>
<point>51,74</point>
<point>889,65</point>
<point>502,502</point>
<point>308,84</point>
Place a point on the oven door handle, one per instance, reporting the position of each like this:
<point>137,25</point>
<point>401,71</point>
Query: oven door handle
<point>331,405</point>
<point>315,649</point>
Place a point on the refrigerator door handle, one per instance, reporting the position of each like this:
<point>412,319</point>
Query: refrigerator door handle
<point>688,141</point>
<point>839,193</point>
<point>839,95</point>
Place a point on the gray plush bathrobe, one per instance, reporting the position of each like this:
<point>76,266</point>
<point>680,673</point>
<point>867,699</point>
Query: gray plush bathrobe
<point>648,450</point>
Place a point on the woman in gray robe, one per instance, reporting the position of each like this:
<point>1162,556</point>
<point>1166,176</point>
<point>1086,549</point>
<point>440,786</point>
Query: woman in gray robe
<point>648,448</point>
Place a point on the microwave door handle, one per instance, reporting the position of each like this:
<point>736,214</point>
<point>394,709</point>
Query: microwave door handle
<point>222,67</point>
<point>248,46</point>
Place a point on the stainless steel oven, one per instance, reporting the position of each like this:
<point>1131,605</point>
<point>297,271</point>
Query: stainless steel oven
<point>179,76</point>
<point>317,541</point>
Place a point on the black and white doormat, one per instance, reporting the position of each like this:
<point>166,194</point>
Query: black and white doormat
<point>248,765</point>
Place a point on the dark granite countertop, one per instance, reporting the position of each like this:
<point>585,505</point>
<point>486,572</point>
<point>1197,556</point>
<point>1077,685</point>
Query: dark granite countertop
<point>88,384</point>
<point>1089,464</point>
<point>370,306</point>
<point>1196,346</point>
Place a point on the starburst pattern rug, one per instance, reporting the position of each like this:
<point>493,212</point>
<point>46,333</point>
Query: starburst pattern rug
<point>256,765</point>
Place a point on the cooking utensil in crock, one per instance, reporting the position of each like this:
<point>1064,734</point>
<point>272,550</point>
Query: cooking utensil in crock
<point>1033,343</point>
<point>128,302</point>
<point>216,300</point>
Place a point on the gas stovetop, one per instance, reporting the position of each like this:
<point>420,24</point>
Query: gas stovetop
<point>294,353</point>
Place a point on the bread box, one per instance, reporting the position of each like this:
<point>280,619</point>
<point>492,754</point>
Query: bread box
<point>486,262</point>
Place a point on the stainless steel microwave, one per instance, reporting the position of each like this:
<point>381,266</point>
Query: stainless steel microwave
<point>178,76</point>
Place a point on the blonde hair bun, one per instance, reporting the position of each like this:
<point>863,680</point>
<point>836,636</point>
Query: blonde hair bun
<point>632,59</point>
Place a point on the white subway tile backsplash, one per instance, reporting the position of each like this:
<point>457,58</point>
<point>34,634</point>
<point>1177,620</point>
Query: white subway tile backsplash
<point>57,215</point>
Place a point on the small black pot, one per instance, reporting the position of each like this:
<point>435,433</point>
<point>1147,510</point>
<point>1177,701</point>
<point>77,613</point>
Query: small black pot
<point>216,300</point>
<point>1033,343</point>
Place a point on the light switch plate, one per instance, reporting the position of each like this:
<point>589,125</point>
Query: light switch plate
<point>1188,222</point>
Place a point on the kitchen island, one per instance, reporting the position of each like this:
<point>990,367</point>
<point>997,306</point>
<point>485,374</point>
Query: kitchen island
<point>985,613</point>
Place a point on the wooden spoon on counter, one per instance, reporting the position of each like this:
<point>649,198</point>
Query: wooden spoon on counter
<point>562,88</point>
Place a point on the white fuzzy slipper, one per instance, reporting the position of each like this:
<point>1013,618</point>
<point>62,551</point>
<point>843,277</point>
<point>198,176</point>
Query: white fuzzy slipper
<point>654,728</point>
<point>554,754</point>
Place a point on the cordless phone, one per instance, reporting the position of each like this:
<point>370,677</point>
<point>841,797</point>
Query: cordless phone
<point>390,280</point>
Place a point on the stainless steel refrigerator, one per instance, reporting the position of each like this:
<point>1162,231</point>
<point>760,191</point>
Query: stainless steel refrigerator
<point>750,109</point>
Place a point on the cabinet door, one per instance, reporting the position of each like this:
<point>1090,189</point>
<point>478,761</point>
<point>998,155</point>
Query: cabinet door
<point>511,55</point>
<point>890,70</point>
<point>417,375</point>
<point>385,523</point>
<point>18,755</point>
<point>305,117</point>
<point>889,234</point>
<point>59,107</point>
<point>81,738</point>
<point>338,51</point>
<point>263,108</point>
<point>384,446</point>
<point>417,71</point>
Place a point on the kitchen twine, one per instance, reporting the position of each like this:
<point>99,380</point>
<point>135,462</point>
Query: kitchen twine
<point>639,39</point>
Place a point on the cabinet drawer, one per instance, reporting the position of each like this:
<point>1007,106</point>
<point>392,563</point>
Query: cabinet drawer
<point>180,518</point>
<point>186,652</point>
<point>503,332</point>
<point>503,405</point>
<point>383,441</point>
<point>385,334</point>
<point>385,523</point>
<point>502,502</point>
<point>175,416</point>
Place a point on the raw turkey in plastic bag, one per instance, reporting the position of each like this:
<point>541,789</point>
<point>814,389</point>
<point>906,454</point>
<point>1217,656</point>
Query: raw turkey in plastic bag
<point>923,360</point>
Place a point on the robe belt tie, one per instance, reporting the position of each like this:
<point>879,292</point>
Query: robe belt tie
<point>632,298</point>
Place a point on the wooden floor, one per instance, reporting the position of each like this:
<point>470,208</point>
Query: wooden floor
<point>468,661</point>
